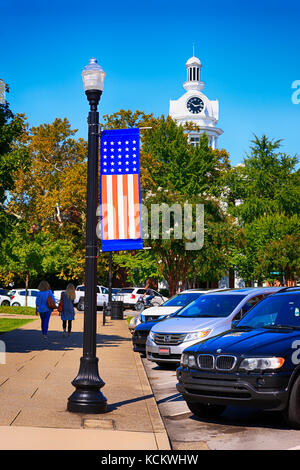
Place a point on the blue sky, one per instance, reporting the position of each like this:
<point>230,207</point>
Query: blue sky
<point>249,51</point>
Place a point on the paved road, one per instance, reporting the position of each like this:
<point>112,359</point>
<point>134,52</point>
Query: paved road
<point>236,429</point>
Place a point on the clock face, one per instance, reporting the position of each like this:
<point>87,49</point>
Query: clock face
<point>195,105</point>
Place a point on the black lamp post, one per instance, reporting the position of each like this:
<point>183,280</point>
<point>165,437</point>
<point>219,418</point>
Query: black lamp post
<point>87,397</point>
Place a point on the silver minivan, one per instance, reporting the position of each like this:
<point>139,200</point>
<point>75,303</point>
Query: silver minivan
<point>209,315</point>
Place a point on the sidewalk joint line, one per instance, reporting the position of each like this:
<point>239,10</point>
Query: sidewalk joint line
<point>15,418</point>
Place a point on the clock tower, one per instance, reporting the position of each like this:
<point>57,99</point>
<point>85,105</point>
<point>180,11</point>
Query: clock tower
<point>195,107</point>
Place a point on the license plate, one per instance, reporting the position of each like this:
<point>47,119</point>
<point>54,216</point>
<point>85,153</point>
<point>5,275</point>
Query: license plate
<point>164,351</point>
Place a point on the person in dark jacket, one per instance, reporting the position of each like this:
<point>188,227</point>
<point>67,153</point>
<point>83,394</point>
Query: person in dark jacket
<point>67,308</point>
<point>42,307</point>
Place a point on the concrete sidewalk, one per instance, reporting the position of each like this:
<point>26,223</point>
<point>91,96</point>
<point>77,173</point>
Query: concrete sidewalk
<point>35,384</point>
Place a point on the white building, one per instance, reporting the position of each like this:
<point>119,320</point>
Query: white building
<point>195,107</point>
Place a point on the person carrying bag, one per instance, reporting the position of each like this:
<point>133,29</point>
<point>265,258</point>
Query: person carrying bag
<point>66,308</point>
<point>45,303</point>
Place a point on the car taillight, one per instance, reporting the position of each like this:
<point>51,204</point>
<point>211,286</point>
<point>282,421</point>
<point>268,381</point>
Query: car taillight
<point>12,297</point>
<point>132,296</point>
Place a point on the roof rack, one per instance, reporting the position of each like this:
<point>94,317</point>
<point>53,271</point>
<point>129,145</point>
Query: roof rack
<point>289,288</point>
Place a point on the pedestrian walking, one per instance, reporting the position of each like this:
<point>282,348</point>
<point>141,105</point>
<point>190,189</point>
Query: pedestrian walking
<point>66,308</point>
<point>45,303</point>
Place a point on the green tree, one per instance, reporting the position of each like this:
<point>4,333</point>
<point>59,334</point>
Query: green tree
<point>257,256</point>
<point>13,155</point>
<point>27,257</point>
<point>267,183</point>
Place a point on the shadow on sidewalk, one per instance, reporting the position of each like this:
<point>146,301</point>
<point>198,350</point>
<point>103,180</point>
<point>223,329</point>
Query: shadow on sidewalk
<point>115,406</point>
<point>23,341</point>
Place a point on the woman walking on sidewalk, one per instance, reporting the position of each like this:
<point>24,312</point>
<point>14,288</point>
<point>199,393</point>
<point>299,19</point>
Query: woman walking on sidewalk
<point>45,303</point>
<point>66,308</point>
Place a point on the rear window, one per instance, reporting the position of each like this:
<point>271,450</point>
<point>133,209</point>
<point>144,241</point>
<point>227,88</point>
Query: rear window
<point>140,291</point>
<point>80,289</point>
<point>126,291</point>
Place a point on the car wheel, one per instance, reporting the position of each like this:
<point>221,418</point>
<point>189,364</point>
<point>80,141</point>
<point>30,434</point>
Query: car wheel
<point>80,305</point>
<point>292,412</point>
<point>206,411</point>
<point>139,306</point>
<point>5,303</point>
<point>16,304</point>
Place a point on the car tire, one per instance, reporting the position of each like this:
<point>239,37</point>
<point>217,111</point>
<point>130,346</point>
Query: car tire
<point>5,303</point>
<point>292,412</point>
<point>139,307</point>
<point>80,305</point>
<point>16,304</point>
<point>206,411</point>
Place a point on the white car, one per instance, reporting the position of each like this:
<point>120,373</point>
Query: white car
<point>18,298</point>
<point>172,305</point>
<point>102,296</point>
<point>130,295</point>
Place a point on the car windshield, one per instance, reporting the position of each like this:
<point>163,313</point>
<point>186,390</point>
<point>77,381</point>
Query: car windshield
<point>274,312</point>
<point>211,306</point>
<point>181,300</point>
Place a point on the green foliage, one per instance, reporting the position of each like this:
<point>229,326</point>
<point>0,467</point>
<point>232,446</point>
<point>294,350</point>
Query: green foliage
<point>25,256</point>
<point>266,183</point>
<point>271,243</point>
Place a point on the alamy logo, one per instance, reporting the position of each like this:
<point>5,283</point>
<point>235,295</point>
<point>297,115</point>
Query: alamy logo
<point>2,92</point>
<point>296,354</point>
<point>2,353</point>
<point>296,94</point>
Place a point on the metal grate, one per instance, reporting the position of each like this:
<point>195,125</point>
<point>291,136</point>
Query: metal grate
<point>225,362</point>
<point>206,361</point>
<point>168,339</point>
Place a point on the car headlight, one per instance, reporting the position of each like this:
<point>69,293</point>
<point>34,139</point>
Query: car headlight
<point>188,360</point>
<point>261,363</point>
<point>151,335</point>
<point>196,335</point>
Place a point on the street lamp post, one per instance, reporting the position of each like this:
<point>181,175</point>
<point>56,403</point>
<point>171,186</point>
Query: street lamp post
<point>87,397</point>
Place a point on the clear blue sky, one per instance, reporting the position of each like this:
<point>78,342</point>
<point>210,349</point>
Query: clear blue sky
<point>249,51</point>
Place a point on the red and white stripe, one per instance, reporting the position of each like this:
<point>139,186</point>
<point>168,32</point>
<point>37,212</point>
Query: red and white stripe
<point>120,207</point>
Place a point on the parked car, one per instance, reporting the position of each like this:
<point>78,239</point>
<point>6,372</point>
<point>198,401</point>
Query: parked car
<point>256,364</point>
<point>142,329</point>
<point>172,305</point>
<point>18,298</point>
<point>130,296</point>
<point>102,296</point>
<point>207,316</point>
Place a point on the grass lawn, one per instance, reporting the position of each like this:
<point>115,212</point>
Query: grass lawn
<point>8,324</point>
<point>18,310</point>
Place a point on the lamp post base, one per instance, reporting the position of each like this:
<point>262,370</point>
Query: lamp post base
<point>87,398</point>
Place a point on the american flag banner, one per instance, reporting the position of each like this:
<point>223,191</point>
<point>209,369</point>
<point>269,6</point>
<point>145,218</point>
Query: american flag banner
<point>121,224</point>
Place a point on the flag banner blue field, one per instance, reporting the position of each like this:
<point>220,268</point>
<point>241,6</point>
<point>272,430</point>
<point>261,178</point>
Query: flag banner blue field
<point>121,224</point>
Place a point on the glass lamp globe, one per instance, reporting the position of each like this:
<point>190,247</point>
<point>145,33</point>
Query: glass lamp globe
<point>93,76</point>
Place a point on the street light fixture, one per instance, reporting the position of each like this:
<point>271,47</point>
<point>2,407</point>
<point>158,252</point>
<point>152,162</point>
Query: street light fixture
<point>87,397</point>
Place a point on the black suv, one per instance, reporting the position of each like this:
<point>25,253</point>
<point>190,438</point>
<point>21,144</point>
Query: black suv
<point>257,363</point>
